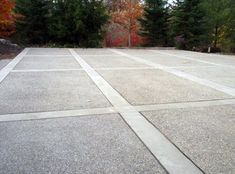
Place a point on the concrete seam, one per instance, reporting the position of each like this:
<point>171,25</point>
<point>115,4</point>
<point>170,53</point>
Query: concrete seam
<point>169,156</point>
<point>7,69</point>
<point>205,82</point>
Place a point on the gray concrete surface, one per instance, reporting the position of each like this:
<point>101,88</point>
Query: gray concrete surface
<point>52,112</point>
<point>160,147</point>
<point>48,51</point>
<point>93,144</point>
<point>49,91</point>
<point>224,75</point>
<point>215,58</point>
<point>164,60</point>
<point>94,52</point>
<point>111,61</point>
<point>4,62</point>
<point>47,62</point>
<point>156,86</point>
<point>206,135</point>
<point>171,61</point>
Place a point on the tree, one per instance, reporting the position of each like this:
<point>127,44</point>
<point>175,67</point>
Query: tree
<point>127,16</point>
<point>231,29</point>
<point>154,22</point>
<point>7,18</point>
<point>220,20</point>
<point>115,5</point>
<point>188,25</point>
<point>32,26</point>
<point>77,22</point>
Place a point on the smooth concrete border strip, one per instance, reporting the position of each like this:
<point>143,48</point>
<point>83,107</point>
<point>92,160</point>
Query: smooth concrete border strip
<point>190,58</point>
<point>112,95</point>
<point>98,55</point>
<point>169,156</point>
<point>38,55</point>
<point>124,68</point>
<point>193,66</point>
<point>80,69</point>
<point>45,70</point>
<point>195,104</point>
<point>207,54</point>
<point>219,87</point>
<point>146,68</point>
<point>55,114</point>
<point>110,110</point>
<point>7,69</point>
<point>100,69</point>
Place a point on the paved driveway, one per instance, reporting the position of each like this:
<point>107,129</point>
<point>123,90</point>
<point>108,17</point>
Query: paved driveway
<point>117,111</point>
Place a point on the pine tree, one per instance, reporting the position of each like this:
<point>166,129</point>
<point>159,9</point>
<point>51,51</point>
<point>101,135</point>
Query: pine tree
<point>154,22</point>
<point>188,25</point>
<point>62,23</point>
<point>93,15</point>
<point>220,16</point>
<point>32,27</point>
<point>78,22</point>
<point>74,22</point>
<point>231,33</point>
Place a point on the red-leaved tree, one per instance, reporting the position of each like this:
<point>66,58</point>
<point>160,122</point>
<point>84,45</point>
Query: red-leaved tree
<point>7,18</point>
<point>124,25</point>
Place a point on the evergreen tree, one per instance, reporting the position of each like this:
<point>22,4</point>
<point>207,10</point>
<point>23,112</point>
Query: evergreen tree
<point>231,26</point>
<point>32,27</point>
<point>220,21</point>
<point>91,17</point>
<point>75,22</point>
<point>78,22</point>
<point>154,22</point>
<point>62,24</point>
<point>188,25</point>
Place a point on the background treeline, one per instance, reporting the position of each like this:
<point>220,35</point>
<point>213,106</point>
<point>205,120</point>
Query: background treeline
<point>197,24</point>
<point>62,22</point>
<point>186,24</point>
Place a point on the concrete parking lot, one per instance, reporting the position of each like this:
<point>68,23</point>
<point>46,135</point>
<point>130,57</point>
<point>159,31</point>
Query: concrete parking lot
<point>117,111</point>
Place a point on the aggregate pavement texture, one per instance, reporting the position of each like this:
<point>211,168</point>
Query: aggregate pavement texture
<point>4,62</point>
<point>143,111</point>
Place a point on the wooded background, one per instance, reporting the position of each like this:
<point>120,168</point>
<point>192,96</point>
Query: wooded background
<point>186,24</point>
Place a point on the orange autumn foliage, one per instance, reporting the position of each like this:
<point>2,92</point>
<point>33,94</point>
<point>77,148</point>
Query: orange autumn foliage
<point>7,18</point>
<point>127,16</point>
<point>124,25</point>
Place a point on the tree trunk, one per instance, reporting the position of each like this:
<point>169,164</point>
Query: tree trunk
<point>129,30</point>
<point>216,36</point>
<point>129,39</point>
<point>129,34</point>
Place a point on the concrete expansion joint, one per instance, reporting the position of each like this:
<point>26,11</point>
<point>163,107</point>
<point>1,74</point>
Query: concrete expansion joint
<point>7,69</point>
<point>44,55</point>
<point>190,58</point>
<point>44,70</point>
<point>166,153</point>
<point>110,110</point>
<point>182,113</point>
<point>205,82</point>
